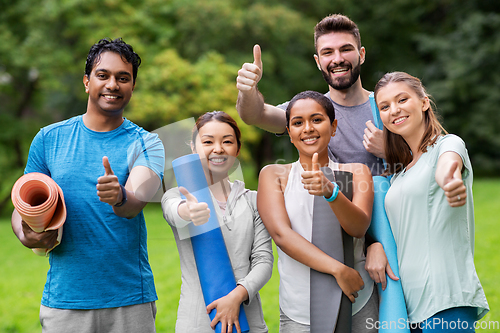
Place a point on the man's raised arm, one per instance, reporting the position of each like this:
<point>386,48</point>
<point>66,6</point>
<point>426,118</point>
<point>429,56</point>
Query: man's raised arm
<point>250,104</point>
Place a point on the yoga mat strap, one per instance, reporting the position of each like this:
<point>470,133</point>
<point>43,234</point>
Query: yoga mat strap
<point>330,309</point>
<point>344,321</point>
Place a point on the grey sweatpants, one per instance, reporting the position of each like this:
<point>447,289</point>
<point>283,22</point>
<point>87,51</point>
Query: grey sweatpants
<point>127,319</point>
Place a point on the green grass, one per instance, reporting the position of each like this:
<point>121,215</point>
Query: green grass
<point>23,273</point>
<point>487,243</point>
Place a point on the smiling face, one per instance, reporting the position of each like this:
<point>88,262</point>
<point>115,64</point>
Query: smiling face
<point>217,146</point>
<point>110,85</point>
<point>310,128</point>
<point>339,59</point>
<point>402,110</point>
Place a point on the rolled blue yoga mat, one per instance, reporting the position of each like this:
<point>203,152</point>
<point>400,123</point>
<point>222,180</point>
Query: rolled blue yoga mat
<point>393,316</point>
<point>210,253</point>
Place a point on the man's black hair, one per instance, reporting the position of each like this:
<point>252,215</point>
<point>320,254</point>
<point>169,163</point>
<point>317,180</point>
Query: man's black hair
<point>117,46</point>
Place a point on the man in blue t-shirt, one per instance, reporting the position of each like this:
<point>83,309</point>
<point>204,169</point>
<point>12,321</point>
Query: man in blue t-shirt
<point>108,169</point>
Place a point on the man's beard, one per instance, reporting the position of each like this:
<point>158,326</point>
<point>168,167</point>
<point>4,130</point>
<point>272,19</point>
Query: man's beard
<point>342,84</point>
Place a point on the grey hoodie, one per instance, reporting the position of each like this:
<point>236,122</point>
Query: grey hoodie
<point>250,251</point>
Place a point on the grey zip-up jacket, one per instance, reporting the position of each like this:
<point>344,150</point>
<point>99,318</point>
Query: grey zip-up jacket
<point>250,250</point>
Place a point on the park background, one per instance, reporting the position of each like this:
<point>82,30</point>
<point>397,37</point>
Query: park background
<point>191,52</point>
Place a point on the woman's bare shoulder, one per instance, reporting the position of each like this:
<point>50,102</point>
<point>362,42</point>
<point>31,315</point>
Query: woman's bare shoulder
<point>276,169</point>
<point>275,174</point>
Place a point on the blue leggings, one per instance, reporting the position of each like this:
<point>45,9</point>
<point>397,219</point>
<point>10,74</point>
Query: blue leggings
<point>459,319</point>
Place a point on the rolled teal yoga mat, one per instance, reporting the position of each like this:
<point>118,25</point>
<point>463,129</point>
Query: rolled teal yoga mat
<point>375,112</point>
<point>393,316</point>
<point>210,253</point>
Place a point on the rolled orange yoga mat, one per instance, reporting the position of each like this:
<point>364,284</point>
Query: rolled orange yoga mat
<point>40,202</point>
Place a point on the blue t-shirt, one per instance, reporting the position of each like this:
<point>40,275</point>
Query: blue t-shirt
<point>102,261</point>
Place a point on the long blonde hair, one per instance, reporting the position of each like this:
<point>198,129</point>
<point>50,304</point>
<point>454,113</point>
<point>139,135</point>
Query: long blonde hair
<point>397,152</point>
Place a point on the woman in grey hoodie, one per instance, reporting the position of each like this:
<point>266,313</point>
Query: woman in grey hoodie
<point>216,138</point>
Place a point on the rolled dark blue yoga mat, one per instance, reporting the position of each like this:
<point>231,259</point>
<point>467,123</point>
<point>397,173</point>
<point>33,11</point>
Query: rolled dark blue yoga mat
<point>210,253</point>
<point>393,316</point>
<point>330,308</point>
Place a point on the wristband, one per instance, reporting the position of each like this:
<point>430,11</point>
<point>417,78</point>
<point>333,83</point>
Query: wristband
<point>334,193</point>
<point>124,197</point>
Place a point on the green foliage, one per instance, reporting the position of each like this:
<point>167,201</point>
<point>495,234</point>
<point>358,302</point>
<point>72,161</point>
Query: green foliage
<point>487,210</point>
<point>192,49</point>
<point>466,85</point>
<point>173,89</point>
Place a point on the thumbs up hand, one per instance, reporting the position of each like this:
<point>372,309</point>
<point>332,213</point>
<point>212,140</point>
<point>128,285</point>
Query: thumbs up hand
<point>250,73</point>
<point>107,167</point>
<point>192,210</point>
<point>454,187</point>
<point>108,187</point>
<point>315,181</point>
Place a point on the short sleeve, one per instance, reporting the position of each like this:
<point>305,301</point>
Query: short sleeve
<point>455,144</point>
<point>283,107</point>
<point>147,151</point>
<point>36,157</point>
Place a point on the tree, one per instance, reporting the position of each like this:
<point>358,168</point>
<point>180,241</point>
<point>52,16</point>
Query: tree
<point>466,85</point>
<point>192,49</point>
<point>43,45</point>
